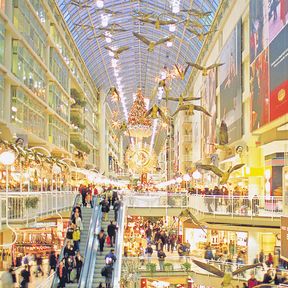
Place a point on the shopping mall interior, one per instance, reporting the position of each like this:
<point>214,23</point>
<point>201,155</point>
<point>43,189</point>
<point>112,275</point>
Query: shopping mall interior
<point>143,143</point>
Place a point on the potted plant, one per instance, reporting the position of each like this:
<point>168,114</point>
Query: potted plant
<point>151,267</point>
<point>31,202</point>
<point>168,266</point>
<point>186,266</point>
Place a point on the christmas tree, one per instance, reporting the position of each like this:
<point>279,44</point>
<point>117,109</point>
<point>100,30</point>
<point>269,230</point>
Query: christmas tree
<point>138,111</point>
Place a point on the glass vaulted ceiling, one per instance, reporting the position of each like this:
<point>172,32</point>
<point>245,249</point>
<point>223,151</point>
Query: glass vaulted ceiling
<point>137,67</point>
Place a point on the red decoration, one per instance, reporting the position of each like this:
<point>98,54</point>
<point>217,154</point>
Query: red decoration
<point>138,111</point>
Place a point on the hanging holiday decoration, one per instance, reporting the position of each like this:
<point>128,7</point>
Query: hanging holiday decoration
<point>140,159</point>
<point>138,124</point>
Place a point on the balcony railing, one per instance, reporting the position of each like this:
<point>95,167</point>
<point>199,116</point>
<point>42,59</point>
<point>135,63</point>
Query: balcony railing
<point>262,206</point>
<point>24,206</point>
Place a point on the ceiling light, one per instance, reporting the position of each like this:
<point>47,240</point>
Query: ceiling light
<point>108,39</point>
<point>163,75</point>
<point>104,20</point>
<point>110,53</point>
<point>100,4</point>
<point>172,28</point>
<point>114,63</point>
<point>169,44</point>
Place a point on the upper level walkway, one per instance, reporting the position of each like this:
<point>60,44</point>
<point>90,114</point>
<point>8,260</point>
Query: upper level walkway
<point>265,211</point>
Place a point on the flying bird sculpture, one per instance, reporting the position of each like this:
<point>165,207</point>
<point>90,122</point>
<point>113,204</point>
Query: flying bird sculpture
<point>181,73</point>
<point>113,28</point>
<point>182,99</point>
<point>200,35</point>
<point>197,13</point>
<point>224,175</point>
<point>80,4</point>
<point>118,51</point>
<point>156,21</point>
<point>190,109</point>
<point>151,44</point>
<point>162,84</point>
<point>155,112</point>
<point>205,69</point>
<point>227,276</point>
<point>188,214</point>
<point>84,26</point>
<point>115,96</point>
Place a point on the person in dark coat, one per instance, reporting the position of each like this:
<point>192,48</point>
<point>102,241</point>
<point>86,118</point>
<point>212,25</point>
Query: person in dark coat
<point>25,273</point>
<point>79,264</point>
<point>111,230</point>
<point>101,238</point>
<point>107,273</point>
<point>105,208</point>
<point>52,262</point>
<point>116,208</point>
<point>62,274</point>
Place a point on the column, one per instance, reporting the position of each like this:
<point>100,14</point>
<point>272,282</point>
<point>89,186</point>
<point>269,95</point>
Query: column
<point>253,245</point>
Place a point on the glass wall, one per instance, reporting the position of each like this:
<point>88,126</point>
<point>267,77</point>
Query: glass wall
<point>2,41</point>
<point>58,68</point>
<point>40,10</point>
<point>89,133</point>
<point>58,132</point>
<point>27,113</point>
<point>28,25</point>
<point>58,101</point>
<point>28,70</point>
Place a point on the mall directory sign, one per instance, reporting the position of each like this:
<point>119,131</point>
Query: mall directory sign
<point>284,238</point>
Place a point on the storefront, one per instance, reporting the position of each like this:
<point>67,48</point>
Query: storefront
<point>40,239</point>
<point>229,242</point>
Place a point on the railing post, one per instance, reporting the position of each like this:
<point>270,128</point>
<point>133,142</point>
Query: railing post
<point>232,206</point>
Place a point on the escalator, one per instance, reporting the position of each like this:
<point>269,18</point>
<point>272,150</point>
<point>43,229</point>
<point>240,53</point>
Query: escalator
<point>91,276</point>
<point>87,220</point>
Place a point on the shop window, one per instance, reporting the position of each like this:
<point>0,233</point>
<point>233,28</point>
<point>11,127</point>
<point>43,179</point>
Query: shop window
<point>2,41</point>
<point>27,70</point>
<point>27,113</point>
<point>58,101</point>
<point>58,132</point>
<point>28,25</point>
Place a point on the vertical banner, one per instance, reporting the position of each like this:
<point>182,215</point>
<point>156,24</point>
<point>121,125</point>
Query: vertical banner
<point>208,94</point>
<point>269,61</point>
<point>230,85</point>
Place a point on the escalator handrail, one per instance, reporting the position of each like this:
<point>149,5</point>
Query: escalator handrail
<point>89,244</point>
<point>55,279</point>
<point>119,247</point>
<point>89,264</point>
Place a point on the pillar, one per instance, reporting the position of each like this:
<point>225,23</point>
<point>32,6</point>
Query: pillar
<point>253,245</point>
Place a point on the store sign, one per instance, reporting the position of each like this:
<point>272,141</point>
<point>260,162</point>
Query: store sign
<point>284,238</point>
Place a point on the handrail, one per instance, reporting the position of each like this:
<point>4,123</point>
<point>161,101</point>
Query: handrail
<point>47,281</point>
<point>55,278</point>
<point>89,246</point>
<point>90,264</point>
<point>119,247</point>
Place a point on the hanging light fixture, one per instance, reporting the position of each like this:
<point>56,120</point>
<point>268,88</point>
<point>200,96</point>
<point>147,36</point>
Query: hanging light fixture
<point>172,27</point>
<point>169,44</point>
<point>100,4</point>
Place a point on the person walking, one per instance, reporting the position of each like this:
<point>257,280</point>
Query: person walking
<point>116,207</point>
<point>101,238</point>
<point>62,274</point>
<point>161,258</point>
<point>111,231</point>
<point>6,279</point>
<point>252,282</point>
<point>110,258</point>
<point>105,208</point>
<point>79,264</point>
<point>25,273</point>
<point>52,262</point>
<point>149,252</point>
<point>107,273</point>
